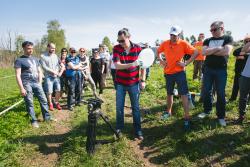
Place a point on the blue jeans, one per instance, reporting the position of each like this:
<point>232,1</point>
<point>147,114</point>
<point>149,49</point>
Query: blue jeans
<point>37,89</point>
<point>134,92</point>
<point>218,77</point>
<point>52,84</point>
<point>74,89</point>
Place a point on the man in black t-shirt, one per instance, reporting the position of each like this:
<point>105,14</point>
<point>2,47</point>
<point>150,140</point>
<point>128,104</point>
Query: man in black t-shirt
<point>217,50</point>
<point>240,62</point>
<point>29,80</point>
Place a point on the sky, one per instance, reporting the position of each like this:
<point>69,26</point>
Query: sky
<point>87,22</point>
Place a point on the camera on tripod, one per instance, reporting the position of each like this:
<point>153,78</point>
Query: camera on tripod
<point>94,104</point>
<point>94,112</point>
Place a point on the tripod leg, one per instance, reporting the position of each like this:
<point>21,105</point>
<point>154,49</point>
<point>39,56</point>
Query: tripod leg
<point>91,133</point>
<point>106,120</point>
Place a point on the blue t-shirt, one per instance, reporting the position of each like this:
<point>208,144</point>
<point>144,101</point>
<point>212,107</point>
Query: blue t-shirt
<point>75,61</point>
<point>29,68</point>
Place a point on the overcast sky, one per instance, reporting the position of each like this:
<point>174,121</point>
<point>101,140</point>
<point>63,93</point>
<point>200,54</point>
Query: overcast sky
<point>86,22</point>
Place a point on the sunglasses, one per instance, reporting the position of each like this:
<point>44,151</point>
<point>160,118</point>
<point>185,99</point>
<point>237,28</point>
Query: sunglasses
<point>64,51</point>
<point>73,52</point>
<point>246,41</point>
<point>121,41</point>
<point>82,51</point>
<point>215,29</point>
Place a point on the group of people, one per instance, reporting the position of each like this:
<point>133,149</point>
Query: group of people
<point>50,77</point>
<point>209,56</point>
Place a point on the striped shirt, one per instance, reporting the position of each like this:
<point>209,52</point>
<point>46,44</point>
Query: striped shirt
<point>130,76</point>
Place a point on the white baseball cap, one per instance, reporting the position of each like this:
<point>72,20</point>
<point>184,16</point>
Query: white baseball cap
<point>175,30</point>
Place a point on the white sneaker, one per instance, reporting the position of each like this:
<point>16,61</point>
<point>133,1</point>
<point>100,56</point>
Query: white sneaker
<point>222,122</point>
<point>202,115</point>
<point>35,125</point>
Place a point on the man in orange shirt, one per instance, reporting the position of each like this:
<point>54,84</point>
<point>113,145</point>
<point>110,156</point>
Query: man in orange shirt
<point>198,62</point>
<point>174,69</point>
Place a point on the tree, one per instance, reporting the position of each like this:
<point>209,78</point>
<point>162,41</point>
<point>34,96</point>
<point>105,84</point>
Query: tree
<point>18,44</point>
<point>192,39</point>
<point>106,41</point>
<point>55,35</point>
<point>187,39</point>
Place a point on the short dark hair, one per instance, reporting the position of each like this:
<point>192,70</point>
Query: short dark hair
<point>124,31</point>
<point>26,43</point>
<point>64,49</point>
<point>217,24</point>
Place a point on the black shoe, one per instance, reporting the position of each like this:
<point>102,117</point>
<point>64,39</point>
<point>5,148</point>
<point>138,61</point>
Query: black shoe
<point>231,100</point>
<point>239,121</point>
<point>78,104</point>
<point>70,108</point>
<point>100,92</point>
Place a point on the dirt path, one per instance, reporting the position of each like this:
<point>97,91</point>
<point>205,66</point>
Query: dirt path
<point>48,144</point>
<point>140,151</point>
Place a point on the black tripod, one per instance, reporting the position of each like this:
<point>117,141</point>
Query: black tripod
<point>94,112</point>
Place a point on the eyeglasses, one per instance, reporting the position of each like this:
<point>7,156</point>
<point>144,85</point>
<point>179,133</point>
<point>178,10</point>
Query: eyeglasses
<point>121,41</point>
<point>64,51</point>
<point>215,29</point>
<point>82,51</point>
<point>73,52</point>
<point>246,41</point>
<point>173,35</point>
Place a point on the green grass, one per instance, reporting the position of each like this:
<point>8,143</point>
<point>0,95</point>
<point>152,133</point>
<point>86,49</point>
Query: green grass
<point>207,144</point>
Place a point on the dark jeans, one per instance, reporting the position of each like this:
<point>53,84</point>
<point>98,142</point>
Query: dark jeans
<point>219,78</point>
<point>63,82</point>
<point>74,89</point>
<point>147,72</point>
<point>197,69</point>
<point>37,89</point>
<point>113,74</point>
<point>244,94</point>
<point>235,86</point>
<point>98,79</point>
<point>134,93</point>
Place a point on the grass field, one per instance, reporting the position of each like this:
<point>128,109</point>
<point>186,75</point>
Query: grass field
<point>165,143</point>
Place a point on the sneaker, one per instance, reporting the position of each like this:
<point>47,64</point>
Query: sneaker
<point>165,116</point>
<point>70,108</point>
<point>35,124</point>
<point>222,122</point>
<point>140,137</point>
<point>186,125</point>
<point>51,107</point>
<point>203,115</point>
<point>239,121</point>
<point>58,106</point>
<point>52,119</point>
